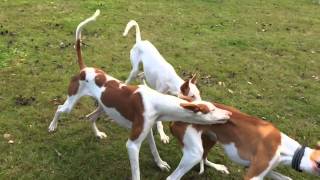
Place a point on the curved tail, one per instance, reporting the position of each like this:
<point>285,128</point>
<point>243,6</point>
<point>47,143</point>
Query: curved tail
<point>78,37</point>
<point>129,26</point>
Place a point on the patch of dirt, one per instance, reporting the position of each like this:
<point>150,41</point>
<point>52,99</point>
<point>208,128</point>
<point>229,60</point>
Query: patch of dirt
<point>24,101</point>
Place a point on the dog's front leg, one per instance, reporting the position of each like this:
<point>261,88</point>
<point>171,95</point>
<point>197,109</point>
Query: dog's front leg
<point>163,137</point>
<point>93,116</point>
<point>65,108</point>
<point>192,154</point>
<point>160,163</point>
<point>139,132</point>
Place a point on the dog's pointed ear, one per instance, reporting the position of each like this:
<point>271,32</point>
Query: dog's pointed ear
<point>318,146</point>
<point>194,78</point>
<point>184,88</point>
<point>190,106</point>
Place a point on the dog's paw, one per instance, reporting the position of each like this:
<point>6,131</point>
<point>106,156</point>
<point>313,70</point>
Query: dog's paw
<point>101,135</point>
<point>164,166</point>
<point>164,138</point>
<point>221,168</point>
<point>52,127</point>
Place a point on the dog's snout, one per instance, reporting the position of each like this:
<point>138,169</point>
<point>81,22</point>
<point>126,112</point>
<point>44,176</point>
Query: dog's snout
<point>229,113</point>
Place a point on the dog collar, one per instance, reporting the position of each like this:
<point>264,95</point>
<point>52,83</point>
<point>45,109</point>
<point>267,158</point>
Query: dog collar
<point>297,157</point>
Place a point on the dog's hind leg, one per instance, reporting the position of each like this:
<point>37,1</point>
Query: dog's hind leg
<point>277,176</point>
<point>160,163</point>
<point>93,116</point>
<point>208,141</point>
<point>135,61</point>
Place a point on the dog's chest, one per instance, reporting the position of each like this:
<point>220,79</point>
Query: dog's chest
<point>232,152</point>
<point>117,117</point>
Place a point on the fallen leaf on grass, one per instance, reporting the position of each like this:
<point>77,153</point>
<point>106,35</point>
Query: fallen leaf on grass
<point>6,136</point>
<point>230,91</point>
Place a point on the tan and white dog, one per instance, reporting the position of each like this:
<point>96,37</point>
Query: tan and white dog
<point>133,107</point>
<point>248,141</point>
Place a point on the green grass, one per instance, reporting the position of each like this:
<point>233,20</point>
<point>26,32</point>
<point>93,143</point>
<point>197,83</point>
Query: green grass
<point>272,44</point>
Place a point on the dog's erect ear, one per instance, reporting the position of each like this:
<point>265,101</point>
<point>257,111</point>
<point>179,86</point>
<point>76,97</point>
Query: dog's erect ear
<point>184,88</point>
<point>318,146</point>
<point>193,80</point>
<point>190,106</point>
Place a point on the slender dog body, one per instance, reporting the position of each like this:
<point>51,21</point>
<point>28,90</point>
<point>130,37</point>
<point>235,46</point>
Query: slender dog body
<point>159,74</point>
<point>246,140</point>
<point>133,107</point>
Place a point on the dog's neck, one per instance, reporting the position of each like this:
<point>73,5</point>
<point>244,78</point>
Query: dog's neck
<point>288,148</point>
<point>167,106</point>
<point>177,84</point>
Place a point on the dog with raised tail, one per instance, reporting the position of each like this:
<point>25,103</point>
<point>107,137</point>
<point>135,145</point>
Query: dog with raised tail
<point>159,74</point>
<point>248,141</point>
<point>133,107</point>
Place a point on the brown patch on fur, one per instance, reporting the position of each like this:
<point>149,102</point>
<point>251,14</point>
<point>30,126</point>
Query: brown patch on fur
<point>315,155</point>
<point>196,107</point>
<point>178,130</point>
<point>83,75</point>
<point>100,77</point>
<point>204,108</point>
<point>127,103</point>
<point>74,85</point>
<point>80,60</point>
<point>184,88</point>
<point>256,140</point>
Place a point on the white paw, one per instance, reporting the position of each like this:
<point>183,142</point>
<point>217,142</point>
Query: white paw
<point>164,138</point>
<point>221,168</point>
<point>101,135</point>
<point>201,171</point>
<point>52,126</point>
<point>164,166</point>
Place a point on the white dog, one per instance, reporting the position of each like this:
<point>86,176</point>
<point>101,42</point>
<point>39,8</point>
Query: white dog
<point>133,107</point>
<point>159,74</point>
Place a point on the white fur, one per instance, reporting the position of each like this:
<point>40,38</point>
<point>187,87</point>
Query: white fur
<point>232,152</point>
<point>83,23</point>
<point>159,74</point>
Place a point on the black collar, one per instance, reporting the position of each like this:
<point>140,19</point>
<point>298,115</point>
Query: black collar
<point>297,157</point>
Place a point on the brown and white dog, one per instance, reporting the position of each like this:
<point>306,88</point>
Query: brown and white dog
<point>133,107</point>
<point>248,141</point>
<point>158,73</point>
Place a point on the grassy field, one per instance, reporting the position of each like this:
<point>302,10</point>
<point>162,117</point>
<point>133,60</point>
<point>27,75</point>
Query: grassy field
<point>266,53</point>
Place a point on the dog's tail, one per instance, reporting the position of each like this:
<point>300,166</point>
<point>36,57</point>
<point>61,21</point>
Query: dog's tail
<point>78,37</point>
<point>129,26</point>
